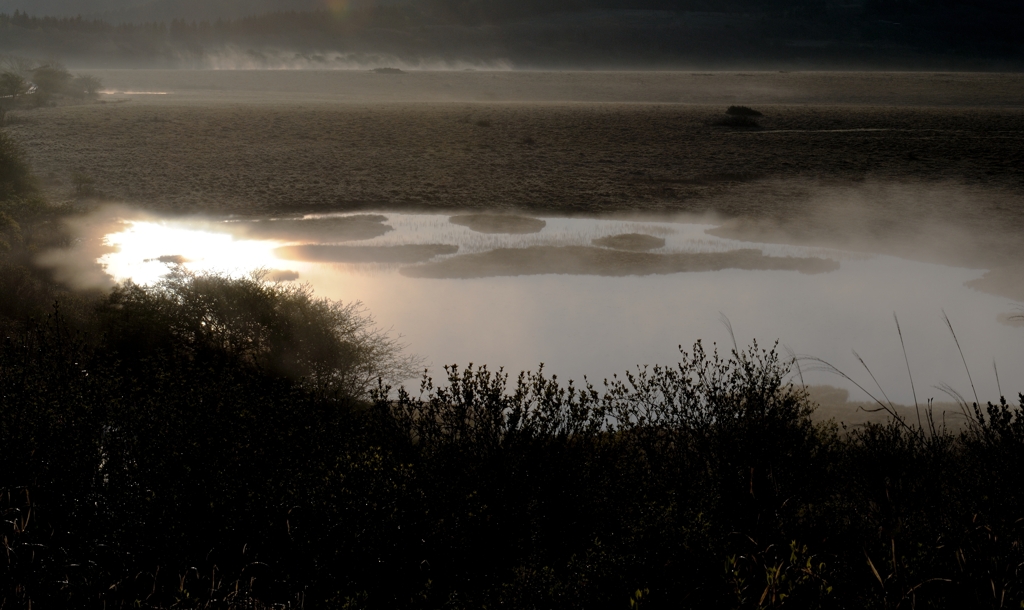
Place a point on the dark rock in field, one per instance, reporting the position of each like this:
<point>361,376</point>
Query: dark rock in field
<point>388,71</point>
<point>364,254</point>
<point>636,242</point>
<point>585,260</point>
<point>499,223</point>
<point>330,229</point>
<point>742,111</point>
<point>739,122</point>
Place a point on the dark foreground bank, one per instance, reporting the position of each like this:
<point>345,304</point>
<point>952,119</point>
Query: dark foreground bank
<point>164,471</point>
<point>219,443</point>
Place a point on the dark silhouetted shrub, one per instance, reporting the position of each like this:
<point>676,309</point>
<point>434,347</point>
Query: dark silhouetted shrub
<point>742,111</point>
<point>84,86</point>
<point>163,444</point>
<point>331,349</point>
<point>744,122</point>
<point>51,80</point>
<point>16,180</point>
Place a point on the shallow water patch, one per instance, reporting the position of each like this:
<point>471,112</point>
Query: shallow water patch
<point>498,223</point>
<point>329,229</point>
<point>406,254</point>
<point>516,300</point>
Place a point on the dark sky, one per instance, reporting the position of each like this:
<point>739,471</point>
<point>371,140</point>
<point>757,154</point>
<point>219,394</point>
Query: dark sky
<point>157,8</point>
<point>801,34</point>
<point>205,9</point>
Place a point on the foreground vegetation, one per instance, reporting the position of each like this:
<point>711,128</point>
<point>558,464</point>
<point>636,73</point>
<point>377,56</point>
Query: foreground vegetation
<point>180,475</point>
<point>215,442</point>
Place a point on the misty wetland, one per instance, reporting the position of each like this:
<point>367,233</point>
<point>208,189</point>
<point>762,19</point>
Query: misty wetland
<point>515,292</point>
<point>434,304</point>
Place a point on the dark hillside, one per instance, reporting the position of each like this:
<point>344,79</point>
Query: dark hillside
<point>929,34</point>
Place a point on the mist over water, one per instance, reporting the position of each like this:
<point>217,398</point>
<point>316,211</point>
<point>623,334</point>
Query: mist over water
<point>236,58</point>
<point>603,321</point>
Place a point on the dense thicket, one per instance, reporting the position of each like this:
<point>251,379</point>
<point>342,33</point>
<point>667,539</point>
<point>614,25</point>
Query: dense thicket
<point>191,478</point>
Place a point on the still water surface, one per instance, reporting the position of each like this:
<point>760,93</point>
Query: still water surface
<point>605,318</point>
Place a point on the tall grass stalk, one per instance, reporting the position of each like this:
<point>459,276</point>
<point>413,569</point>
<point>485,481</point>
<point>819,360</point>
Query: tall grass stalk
<point>917,407</point>
<point>962,357</point>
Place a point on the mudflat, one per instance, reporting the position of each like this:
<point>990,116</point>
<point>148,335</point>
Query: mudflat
<point>584,260</point>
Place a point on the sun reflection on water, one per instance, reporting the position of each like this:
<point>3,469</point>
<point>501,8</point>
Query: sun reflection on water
<point>144,249</point>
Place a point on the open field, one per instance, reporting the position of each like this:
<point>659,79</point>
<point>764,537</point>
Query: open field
<point>564,157</point>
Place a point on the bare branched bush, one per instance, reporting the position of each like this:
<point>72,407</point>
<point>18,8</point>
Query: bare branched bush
<point>333,348</point>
